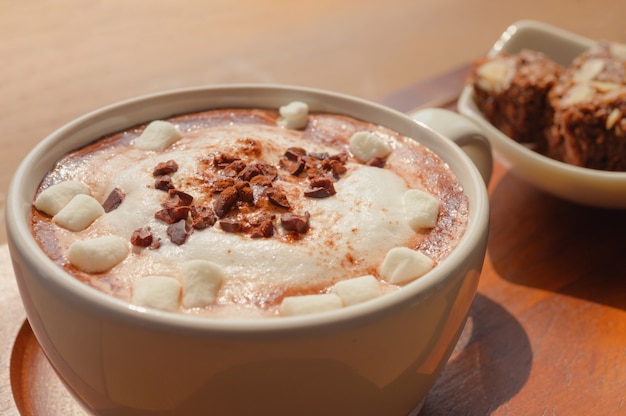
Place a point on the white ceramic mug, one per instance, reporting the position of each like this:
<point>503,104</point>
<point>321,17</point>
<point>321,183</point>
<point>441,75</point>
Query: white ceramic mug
<point>376,358</point>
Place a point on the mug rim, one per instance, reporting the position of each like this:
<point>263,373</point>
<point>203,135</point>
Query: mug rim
<point>22,241</point>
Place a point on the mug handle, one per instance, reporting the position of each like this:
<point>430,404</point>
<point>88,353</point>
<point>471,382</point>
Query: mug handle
<point>465,133</point>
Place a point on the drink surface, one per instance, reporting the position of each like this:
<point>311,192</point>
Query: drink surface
<point>279,212</point>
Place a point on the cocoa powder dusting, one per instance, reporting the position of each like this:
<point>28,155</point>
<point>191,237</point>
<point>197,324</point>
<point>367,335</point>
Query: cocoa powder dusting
<point>234,207</point>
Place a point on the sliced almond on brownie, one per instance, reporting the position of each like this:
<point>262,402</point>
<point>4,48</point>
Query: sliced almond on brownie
<point>496,75</point>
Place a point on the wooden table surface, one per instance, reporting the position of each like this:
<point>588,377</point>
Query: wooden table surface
<point>547,332</point>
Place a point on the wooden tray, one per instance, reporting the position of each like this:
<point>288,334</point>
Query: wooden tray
<point>546,333</point>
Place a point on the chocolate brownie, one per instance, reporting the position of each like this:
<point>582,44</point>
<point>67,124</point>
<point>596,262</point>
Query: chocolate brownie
<point>589,101</point>
<point>511,91</point>
<point>573,114</point>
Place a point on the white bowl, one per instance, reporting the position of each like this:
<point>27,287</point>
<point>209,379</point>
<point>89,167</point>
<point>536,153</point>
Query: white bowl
<point>379,357</point>
<point>580,185</point>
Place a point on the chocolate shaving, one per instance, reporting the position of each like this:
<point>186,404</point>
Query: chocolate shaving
<point>221,160</point>
<point>231,226</point>
<point>313,171</point>
<point>261,180</point>
<point>297,223</point>
<point>176,198</point>
<point>249,172</point>
<point>202,217</point>
<point>164,183</point>
<point>337,167</point>
<point>172,215</point>
<point>295,153</point>
<point>278,198</point>
<point>222,183</point>
<point>180,213</point>
<point>319,156</point>
<point>115,198</point>
<point>245,192</point>
<point>267,170</point>
<point>294,166</point>
<point>165,168</point>
<point>264,229</point>
<point>321,187</point>
<point>225,201</point>
<point>178,232</point>
<point>141,237</point>
<point>318,192</point>
<point>234,168</point>
<point>340,157</point>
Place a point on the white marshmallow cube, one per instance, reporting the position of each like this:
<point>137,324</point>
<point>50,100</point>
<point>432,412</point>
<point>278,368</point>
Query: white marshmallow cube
<point>366,145</point>
<point>98,254</point>
<point>420,208</point>
<point>158,135</point>
<point>52,199</point>
<point>357,290</point>
<point>308,304</point>
<point>157,292</point>
<point>293,115</point>
<point>402,265</point>
<point>79,213</point>
<point>201,283</point>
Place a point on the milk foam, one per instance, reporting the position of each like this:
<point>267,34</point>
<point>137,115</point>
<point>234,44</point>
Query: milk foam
<point>368,199</point>
<point>350,232</point>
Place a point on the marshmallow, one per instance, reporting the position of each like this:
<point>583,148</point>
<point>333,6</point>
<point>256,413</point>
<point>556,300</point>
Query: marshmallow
<point>158,135</point>
<point>97,254</point>
<point>293,115</point>
<point>79,213</point>
<point>52,199</point>
<point>421,209</point>
<point>365,145</point>
<point>201,282</point>
<point>156,292</point>
<point>307,304</point>
<point>402,265</point>
<point>357,290</point>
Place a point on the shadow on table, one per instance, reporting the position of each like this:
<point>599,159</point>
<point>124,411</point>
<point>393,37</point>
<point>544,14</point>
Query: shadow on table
<point>490,364</point>
<point>544,242</point>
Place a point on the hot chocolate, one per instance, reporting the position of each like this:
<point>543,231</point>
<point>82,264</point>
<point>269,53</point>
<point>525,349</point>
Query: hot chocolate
<point>250,212</point>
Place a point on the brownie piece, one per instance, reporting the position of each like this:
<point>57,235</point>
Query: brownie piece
<point>589,104</point>
<point>511,91</point>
